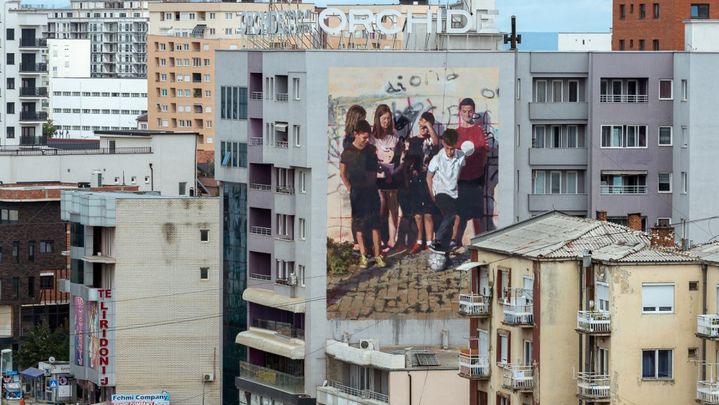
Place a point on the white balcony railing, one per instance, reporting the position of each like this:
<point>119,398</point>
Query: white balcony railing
<point>518,311</point>
<point>708,325</point>
<point>623,98</point>
<point>261,230</point>
<point>256,95</point>
<point>708,392</point>
<point>592,385</point>
<point>518,377</point>
<point>474,304</point>
<point>260,187</point>
<point>282,144</point>
<point>281,97</point>
<point>618,190</point>
<point>353,392</point>
<point>255,141</point>
<point>594,322</point>
<point>472,365</point>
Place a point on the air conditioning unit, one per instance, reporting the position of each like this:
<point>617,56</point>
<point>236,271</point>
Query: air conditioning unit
<point>292,279</point>
<point>369,344</point>
<point>207,377</point>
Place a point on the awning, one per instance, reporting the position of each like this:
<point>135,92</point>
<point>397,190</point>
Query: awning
<point>269,341</point>
<point>281,126</point>
<point>270,299</point>
<point>468,266</point>
<point>32,372</point>
<point>623,172</point>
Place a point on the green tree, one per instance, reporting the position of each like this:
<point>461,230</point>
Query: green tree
<point>39,344</point>
<point>48,129</point>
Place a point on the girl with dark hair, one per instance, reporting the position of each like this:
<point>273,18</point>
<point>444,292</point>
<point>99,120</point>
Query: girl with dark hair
<point>389,153</point>
<point>355,114</point>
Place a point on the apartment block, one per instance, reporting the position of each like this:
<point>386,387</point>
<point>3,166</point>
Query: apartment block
<point>657,25</point>
<point>116,29</point>
<point>24,101</point>
<point>145,286</point>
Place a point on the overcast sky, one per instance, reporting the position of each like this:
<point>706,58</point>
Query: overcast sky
<point>532,15</point>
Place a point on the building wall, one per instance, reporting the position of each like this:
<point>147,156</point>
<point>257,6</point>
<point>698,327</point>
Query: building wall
<point>80,106</point>
<point>427,386</point>
<point>584,41</point>
<point>68,58</point>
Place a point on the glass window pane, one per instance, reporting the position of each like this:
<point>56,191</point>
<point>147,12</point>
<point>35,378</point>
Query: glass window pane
<point>557,91</point>
<point>538,137</point>
<point>541,91</point>
<point>556,182</point>
<point>664,369</point>
<point>616,137</point>
<point>539,182</point>
<point>571,137</point>
<point>571,183</point>
<point>648,363</point>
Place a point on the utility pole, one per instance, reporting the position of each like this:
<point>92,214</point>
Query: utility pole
<point>512,38</point>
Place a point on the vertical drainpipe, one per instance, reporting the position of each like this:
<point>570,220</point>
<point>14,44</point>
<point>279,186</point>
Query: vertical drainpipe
<point>704,311</point>
<point>410,387</point>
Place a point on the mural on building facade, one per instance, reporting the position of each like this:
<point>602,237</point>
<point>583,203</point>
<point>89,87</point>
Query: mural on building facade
<point>412,155</point>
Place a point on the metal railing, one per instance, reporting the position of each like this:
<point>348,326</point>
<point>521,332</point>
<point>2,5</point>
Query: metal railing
<point>281,97</point>
<point>30,140</point>
<point>282,144</point>
<point>609,189</point>
<point>33,43</point>
<point>260,187</point>
<point>33,116</point>
<point>258,276</point>
<point>283,328</point>
<point>592,385</point>
<point>284,190</point>
<point>273,378</point>
<point>518,377</point>
<point>708,392</point>
<point>594,321</point>
<point>256,141</point>
<point>708,325</point>
<point>623,98</point>
<point>515,314</point>
<point>472,365</point>
<point>474,304</point>
<point>97,151</point>
<point>261,230</point>
<point>256,95</point>
<point>356,392</point>
<point>33,67</point>
<point>33,91</point>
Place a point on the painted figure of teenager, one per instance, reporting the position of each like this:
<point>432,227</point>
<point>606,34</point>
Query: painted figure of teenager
<point>389,151</point>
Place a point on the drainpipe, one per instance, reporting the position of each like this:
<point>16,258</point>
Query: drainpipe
<point>581,298</point>
<point>152,178</point>
<point>410,387</point>
<point>704,311</point>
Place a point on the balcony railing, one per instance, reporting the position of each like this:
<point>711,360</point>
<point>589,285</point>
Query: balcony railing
<point>614,190</point>
<point>592,385</point>
<point>623,98</point>
<point>474,304</point>
<point>473,366</point>
<point>594,322</point>
<point>708,392</point>
<point>518,307</point>
<point>273,378</point>
<point>33,43</point>
<point>284,190</point>
<point>33,116</point>
<point>33,91</point>
<point>52,151</point>
<point>281,97</point>
<point>260,276</point>
<point>260,187</point>
<point>283,328</point>
<point>256,95</point>
<point>518,377</point>
<point>255,141</point>
<point>282,144</point>
<point>261,230</point>
<point>33,67</point>
<point>708,325</point>
<point>355,392</point>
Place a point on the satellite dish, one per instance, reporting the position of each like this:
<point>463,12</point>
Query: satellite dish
<point>51,359</point>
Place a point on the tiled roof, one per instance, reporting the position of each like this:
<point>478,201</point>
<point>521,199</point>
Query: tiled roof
<point>708,252</point>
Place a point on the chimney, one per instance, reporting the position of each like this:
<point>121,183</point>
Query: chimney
<point>663,236</point>
<point>634,221</point>
<point>602,216</point>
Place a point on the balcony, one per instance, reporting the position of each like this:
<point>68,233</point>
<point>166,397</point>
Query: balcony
<point>33,91</point>
<point>518,307</point>
<point>333,392</point>
<point>561,202</point>
<point>282,328</point>
<point>708,392</point>
<point>261,230</point>
<point>592,386</point>
<point>475,305</point>
<point>39,116</point>
<point>285,190</point>
<point>594,323</point>
<point>559,111</point>
<point>518,378</point>
<point>33,43</point>
<point>29,140</point>
<point>272,378</point>
<point>33,67</point>
<point>623,98</point>
<point>260,187</point>
<point>606,189</point>
<point>256,95</point>
<point>558,157</point>
<point>281,97</point>
<point>282,144</point>
<point>473,366</point>
<point>256,141</point>
<point>708,326</point>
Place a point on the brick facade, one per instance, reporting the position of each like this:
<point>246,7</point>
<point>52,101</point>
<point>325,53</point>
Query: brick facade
<point>666,27</point>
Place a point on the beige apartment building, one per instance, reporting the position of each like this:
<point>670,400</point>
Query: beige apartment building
<point>570,310</point>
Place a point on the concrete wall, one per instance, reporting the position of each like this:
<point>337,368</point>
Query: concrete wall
<point>68,58</point>
<point>427,387</point>
<point>584,41</point>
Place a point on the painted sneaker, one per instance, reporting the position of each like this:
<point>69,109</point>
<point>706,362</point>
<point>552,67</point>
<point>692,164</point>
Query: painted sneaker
<point>416,248</point>
<point>379,262</point>
<point>363,262</point>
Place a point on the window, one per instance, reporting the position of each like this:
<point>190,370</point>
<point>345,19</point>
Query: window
<point>657,364</point>
<point>301,275</point>
<point>296,88</point>
<point>700,11</point>
<point>303,181</point>
<point>573,91</point>
<point>540,92</point>
<point>10,108</point>
<point>642,11</point>
<point>204,235</point>
<point>624,136</point>
<point>539,182</point>
<point>622,12</point>
<point>10,83</point>
<point>555,182</point>
<point>655,44</point>
<point>572,183</point>
<point>503,346</point>
<point>31,250</point>
<point>538,138</point>
<point>31,287</point>
<point>296,132</point>
<point>665,136</point>
<point>8,216</point>
<point>10,34</point>
<point>557,90</point>
<point>303,229</point>
<point>182,188</point>
<point>16,287</point>
<point>665,183</point>
<point>16,251</point>
<point>47,282</point>
<point>10,58</point>
<point>655,9</point>
<point>528,347</point>
<point>684,182</point>
<point>285,226</point>
<point>233,102</point>
<point>665,89</point>
<point>636,136</point>
<point>685,90</point>
<point>204,273</point>
<point>621,44</point>
<point>657,298</point>
<point>641,45</point>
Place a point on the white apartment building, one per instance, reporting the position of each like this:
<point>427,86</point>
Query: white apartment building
<point>24,75</point>
<point>154,161</point>
<point>81,106</point>
<point>117,31</point>
<point>68,58</point>
<point>146,295</point>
